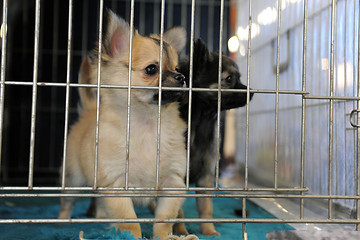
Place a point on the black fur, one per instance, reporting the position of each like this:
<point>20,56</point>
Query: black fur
<point>204,106</point>
<point>168,96</point>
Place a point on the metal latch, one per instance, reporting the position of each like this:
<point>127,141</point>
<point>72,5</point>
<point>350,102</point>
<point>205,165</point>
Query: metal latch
<point>352,114</point>
<point>285,65</point>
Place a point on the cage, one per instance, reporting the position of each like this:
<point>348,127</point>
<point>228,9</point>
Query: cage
<point>287,161</point>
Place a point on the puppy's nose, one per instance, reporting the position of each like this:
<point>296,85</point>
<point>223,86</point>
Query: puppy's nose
<point>251,95</point>
<point>180,78</point>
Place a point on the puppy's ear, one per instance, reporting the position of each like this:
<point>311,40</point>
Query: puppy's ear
<point>117,33</point>
<point>176,37</point>
<point>201,55</point>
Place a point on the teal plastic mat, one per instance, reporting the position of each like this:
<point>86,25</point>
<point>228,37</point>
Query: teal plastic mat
<point>12,208</point>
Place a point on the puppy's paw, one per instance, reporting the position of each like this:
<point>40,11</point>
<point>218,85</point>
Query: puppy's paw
<point>213,233</point>
<point>188,237</point>
<point>162,230</point>
<point>180,229</point>
<point>209,229</point>
<point>134,228</point>
<point>64,215</point>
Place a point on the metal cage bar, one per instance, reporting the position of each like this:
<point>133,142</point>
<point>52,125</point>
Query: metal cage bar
<point>295,193</point>
<point>331,113</point>
<point>191,77</point>
<point>162,23</point>
<point>248,99</point>
<point>244,233</point>
<point>358,132</point>
<point>303,110</point>
<point>230,189</point>
<point>344,93</point>
<point>266,91</point>
<point>69,40</point>
<point>129,96</point>
<point>100,34</point>
<point>185,195</point>
<point>277,95</point>
<point>34,94</point>
<point>3,69</point>
<point>217,173</point>
<point>177,220</point>
<point>355,91</point>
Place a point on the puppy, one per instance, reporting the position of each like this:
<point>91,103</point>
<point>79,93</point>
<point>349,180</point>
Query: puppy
<point>204,105</point>
<point>111,170</point>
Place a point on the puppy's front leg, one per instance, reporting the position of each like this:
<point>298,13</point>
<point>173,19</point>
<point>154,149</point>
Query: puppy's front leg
<point>122,208</point>
<point>205,206</point>
<point>66,206</point>
<point>166,208</point>
<point>180,228</point>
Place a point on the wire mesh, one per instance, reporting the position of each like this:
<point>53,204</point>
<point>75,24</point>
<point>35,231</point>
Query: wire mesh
<point>288,143</point>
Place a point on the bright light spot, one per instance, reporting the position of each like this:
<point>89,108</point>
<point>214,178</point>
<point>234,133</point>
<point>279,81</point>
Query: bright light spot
<point>340,75</point>
<point>242,50</point>
<point>242,33</point>
<point>255,30</point>
<point>233,44</point>
<point>286,3</point>
<point>294,1</point>
<point>267,16</point>
<point>2,31</point>
<point>281,207</point>
<point>324,64</point>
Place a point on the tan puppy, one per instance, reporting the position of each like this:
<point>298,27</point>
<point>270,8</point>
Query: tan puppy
<point>80,154</point>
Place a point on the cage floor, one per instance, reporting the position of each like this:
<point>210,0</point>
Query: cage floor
<point>27,208</point>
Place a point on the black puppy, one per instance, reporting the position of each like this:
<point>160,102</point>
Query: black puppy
<point>204,117</point>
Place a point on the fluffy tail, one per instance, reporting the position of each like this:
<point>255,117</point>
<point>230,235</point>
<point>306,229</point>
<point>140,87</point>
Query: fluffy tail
<point>87,95</point>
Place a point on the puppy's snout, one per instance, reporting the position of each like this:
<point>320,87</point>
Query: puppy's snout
<point>180,77</point>
<point>251,94</point>
<point>242,86</point>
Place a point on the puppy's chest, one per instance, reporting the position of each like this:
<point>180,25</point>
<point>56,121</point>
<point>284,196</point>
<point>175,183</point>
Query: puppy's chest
<point>144,153</point>
<point>145,136</point>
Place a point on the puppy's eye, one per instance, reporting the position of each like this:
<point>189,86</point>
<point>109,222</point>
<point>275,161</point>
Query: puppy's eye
<point>228,79</point>
<point>177,69</point>
<point>151,70</point>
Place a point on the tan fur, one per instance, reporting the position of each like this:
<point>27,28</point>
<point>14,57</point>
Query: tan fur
<point>80,154</point>
<point>87,95</point>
